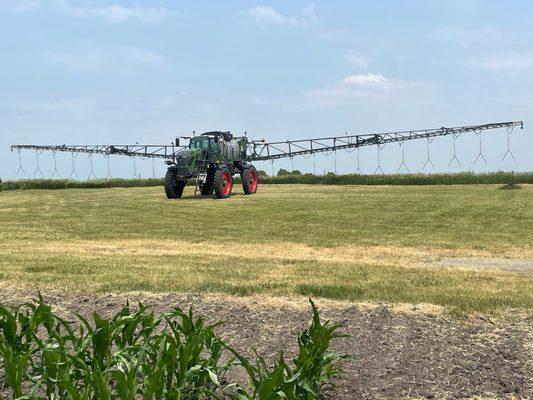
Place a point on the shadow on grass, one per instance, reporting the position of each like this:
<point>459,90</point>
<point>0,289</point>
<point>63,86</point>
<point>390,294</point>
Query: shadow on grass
<point>193,197</point>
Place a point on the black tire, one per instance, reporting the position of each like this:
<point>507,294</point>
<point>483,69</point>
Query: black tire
<point>209,185</point>
<point>223,182</point>
<point>173,186</point>
<point>250,179</point>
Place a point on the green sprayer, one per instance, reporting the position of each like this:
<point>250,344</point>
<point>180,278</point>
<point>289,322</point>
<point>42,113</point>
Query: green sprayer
<point>213,158</point>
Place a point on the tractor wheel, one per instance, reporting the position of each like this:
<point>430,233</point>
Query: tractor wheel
<point>223,182</point>
<point>173,186</point>
<point>249,179</point>
<point>208,186</point>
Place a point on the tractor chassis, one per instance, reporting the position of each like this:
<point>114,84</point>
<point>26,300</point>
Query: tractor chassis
<point>211,178</point>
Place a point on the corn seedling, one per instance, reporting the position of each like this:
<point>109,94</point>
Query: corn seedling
<point>134,355</point>
<point>313,368</point>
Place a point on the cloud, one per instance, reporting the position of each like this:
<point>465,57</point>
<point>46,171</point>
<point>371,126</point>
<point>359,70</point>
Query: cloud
<point>19,6</point>
<point>309,14</point>
<point>358,86</point>
<point>114,13</point>
<point>505,62</point>
<point>267,15</point>
<point>366,79</point>
<point>264,16</point>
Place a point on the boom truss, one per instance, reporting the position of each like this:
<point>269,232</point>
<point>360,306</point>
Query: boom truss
<point>262,150</point>
<point>132,150</point>
<point>292,148</point>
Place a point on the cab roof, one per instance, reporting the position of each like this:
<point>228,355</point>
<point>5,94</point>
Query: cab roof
<point>226,135</point>
<point>213,133</point>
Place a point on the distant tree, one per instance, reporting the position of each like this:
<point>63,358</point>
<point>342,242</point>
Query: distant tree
<point>262,174</point>
<point>284,172</point>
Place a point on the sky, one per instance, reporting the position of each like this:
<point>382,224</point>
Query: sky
<point>107,72</point>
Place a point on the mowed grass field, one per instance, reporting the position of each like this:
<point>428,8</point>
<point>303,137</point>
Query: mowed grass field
<point>368,243</point>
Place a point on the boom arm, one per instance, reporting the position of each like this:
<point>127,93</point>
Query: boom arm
<point>132,150</point>
<point>261,150</point>
<point>290,148</point>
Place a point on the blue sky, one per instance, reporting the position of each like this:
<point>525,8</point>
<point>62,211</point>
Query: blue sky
<point>98,71</point>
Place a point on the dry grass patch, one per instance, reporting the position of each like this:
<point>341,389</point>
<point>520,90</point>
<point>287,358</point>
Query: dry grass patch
<point>402,275</point>
<point>401,256</point>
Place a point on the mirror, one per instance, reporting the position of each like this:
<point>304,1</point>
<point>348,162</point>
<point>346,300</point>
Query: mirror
<point>177,142</point>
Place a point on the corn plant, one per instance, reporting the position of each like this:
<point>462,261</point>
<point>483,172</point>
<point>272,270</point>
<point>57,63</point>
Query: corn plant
<point>134,355</point>
<point>19,341</point>
<point>313,368</point>
<point>182,361</point>
<point>14,349</point>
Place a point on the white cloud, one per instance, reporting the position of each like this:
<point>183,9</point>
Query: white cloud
<point>263,16</point>
<point>366,79</point>
<point>267,15</point>
<point>19,5</point>
<point>114,13</point>
<point>309,14</point>
<point>358,86</point>
<point>508,62</point>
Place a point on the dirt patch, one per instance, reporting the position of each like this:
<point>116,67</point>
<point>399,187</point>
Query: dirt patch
<point>399,351</point>
<point>506,264</point>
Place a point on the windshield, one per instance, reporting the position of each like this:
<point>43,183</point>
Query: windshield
<point>199,142</point>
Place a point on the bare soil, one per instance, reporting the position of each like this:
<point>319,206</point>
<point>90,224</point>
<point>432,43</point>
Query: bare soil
<point>524,265</point>
<point>400,351</point>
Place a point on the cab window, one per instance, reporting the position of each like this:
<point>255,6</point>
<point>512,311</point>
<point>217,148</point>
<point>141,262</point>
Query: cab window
<point>199,142</point>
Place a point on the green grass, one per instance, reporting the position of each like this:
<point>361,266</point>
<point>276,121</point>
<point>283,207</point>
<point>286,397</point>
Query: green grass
<point>461,178</point>
<point>369,243</point>
<point>27,184</point>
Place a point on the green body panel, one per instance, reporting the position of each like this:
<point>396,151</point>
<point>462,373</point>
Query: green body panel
<point>195,156</point>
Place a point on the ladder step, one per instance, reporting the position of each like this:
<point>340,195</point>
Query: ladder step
<point>201,176</point>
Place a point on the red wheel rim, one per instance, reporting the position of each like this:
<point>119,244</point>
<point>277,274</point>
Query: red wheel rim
<point>226,183</point>
<point>253,181</point>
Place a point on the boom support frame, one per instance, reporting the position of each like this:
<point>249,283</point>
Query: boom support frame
<point>291,148</point>
<point>262,150</point>
<point>131,150</point>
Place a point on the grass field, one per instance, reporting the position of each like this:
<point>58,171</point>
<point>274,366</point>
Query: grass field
<point>379,243</point>
<point>459,178</point>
